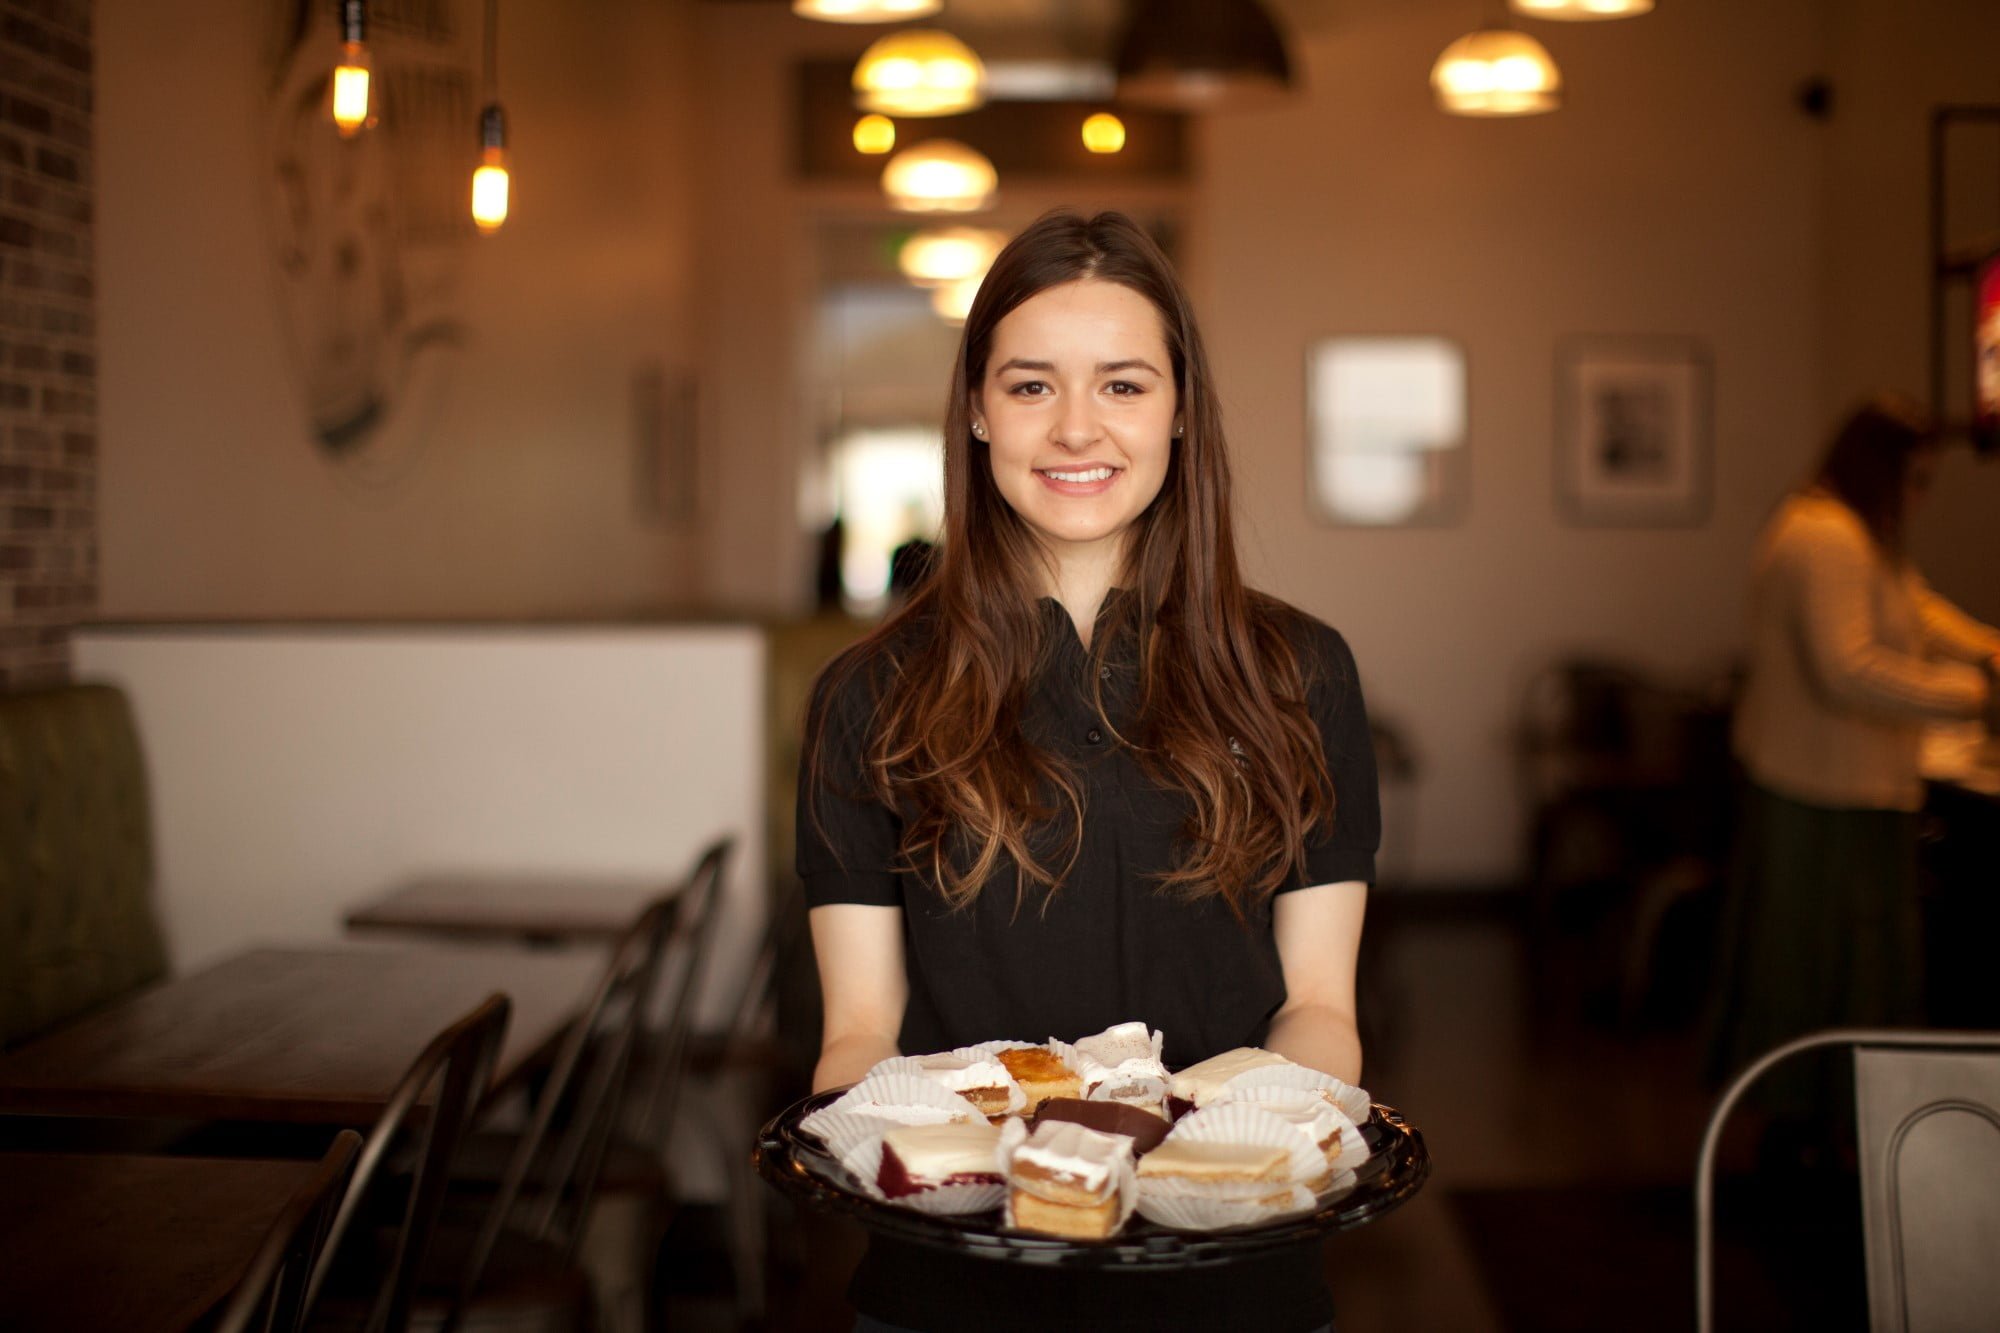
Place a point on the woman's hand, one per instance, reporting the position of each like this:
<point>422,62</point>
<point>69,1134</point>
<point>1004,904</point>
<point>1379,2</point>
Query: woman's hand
<point>1318,932</point>
<point>862,988</point>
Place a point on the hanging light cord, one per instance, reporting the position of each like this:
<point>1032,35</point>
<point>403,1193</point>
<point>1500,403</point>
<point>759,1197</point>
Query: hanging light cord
<point>492,48</point>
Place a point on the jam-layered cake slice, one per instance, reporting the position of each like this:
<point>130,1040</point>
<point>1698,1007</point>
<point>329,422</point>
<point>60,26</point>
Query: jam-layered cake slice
<point>1144,1128</point>
<point>984,1082</point>
<point>916,1158</point>
<point>1200,1084</point>
<point>1064,1180</point>
<point>1041,1074</point>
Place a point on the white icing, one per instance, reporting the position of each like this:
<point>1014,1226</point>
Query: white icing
<point>1200,1083</point>
<point>935,1152</point>
<point>1079,1156</point>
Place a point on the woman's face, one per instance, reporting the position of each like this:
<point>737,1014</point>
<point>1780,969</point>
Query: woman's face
<point>1078,411</point>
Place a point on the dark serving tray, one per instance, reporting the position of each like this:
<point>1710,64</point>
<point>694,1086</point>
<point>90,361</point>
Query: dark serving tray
<point>797,1164</point>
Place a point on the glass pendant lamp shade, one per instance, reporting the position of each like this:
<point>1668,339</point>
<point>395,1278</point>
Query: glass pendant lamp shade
<point>865,11</point>
<point>1193,55</point>
<point>1496,72</point>
<point>1581,9</point>
<point>946,255</point>
<point>953,301</point>
<point>919,72</point>
<point>1103,133</point>
<point>940,176</point>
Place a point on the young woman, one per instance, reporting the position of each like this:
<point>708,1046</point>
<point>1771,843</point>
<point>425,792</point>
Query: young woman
<point>1086,776</point>
<point>1851,656</point>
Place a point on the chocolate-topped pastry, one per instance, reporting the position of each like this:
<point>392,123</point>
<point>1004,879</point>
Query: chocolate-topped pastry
<point>1142,1127</point>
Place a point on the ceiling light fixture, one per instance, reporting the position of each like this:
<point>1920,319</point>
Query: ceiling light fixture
<point>1197,55</point>
<point>940,176</point>
<point>919,72</point>
<point>490,184</point>
<point>350,76</point>
<point>1103,133</point>
<point>865,11</point>
<point>1496,72</point>
<point>1577,10</point>
<point>874,134</point>
<point>953,301</point>
<point>945,255</point>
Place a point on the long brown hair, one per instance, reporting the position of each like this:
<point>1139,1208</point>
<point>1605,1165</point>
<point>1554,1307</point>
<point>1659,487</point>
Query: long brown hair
<point>1221,713</point>
<point>1867,465</point>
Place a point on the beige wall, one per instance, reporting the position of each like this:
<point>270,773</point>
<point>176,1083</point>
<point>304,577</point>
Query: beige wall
<point>519,498</point>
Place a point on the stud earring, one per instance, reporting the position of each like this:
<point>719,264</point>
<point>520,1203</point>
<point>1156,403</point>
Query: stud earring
<point>978,430</point>
<point>1177,431</point>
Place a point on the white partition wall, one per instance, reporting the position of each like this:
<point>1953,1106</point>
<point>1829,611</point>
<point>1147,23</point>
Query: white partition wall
<point>298,771</point>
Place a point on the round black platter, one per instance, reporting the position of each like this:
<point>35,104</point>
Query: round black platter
<point>797,1164</point>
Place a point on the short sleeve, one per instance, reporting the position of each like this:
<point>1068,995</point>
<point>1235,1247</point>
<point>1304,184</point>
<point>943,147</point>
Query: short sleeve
<point>848,842</point>
<point>1333,694</point>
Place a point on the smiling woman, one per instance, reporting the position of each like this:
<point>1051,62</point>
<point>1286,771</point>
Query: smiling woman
<point>1085,776</point>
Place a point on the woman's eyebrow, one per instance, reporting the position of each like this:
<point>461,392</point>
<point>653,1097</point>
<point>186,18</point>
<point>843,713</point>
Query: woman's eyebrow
<point>1103,367</point>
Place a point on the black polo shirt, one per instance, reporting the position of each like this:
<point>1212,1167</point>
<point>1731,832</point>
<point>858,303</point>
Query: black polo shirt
<point>1106,947</point>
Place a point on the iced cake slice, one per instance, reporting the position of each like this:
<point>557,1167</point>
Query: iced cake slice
<point>1040,1073</point>
<point>916,1158</point>
<point>1064,1180</point>
<point>1200,1084</point>
<point>1202,1163</point>
<point>983,1081</point>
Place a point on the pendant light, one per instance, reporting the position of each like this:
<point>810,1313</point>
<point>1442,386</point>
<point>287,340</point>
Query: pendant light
<point>1568,10</point>
<point>350,76</point>
<point>874,135</point>
<point>940,176</point>
<point>919,72</point>
<point>490,183</point>
<point>1103,133</point>
<point>944,255</point>
<point>865,11</point>
<point>1196,55</point>
<point>953,301</point>
<point>1496,72</point>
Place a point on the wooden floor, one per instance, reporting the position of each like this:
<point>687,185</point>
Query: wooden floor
<point>1564,1151</point>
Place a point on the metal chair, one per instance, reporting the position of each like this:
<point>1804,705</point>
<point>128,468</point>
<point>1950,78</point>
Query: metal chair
<point>272,1295</point>
<point>460,1062</point>
<point>1927,1109</point>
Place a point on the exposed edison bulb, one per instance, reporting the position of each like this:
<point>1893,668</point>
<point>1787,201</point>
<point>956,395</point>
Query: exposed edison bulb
<point>489,181</point>
<point>1103,133</point>
<point>350,89</point>
<point>874,134</point>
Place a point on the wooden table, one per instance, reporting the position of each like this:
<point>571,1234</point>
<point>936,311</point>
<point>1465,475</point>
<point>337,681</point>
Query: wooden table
<point>138,1244</point>
<point>307,1036</point>
<point>533,909</point>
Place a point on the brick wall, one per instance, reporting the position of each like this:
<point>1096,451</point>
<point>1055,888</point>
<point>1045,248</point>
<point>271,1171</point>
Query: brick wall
<point>48,337</point>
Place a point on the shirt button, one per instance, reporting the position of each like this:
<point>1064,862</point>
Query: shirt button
<point>1094,736</point>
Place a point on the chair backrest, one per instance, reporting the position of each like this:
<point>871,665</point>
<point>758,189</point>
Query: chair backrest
<point>271,1298</point>
<point>460,1062</point>
<point>552,1172</point>
<point>1929,1125</point>
<point>76,858</point>
<point>1927,1112</point>
<point>700,908</point>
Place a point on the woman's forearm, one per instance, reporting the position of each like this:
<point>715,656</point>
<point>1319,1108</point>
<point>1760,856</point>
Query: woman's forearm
<point>845,1059</point>
<point>1318,1037</point>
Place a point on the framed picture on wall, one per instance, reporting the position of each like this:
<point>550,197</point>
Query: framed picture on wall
<point>1633,427</point>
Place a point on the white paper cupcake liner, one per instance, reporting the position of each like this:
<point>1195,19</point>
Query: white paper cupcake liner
<point>895,1097</point>
<point>1246,1122</point>
<point>1188,1212</point>
<point>1350,1151</point>
<point>908,1064</point>
<point>1352,1101</point>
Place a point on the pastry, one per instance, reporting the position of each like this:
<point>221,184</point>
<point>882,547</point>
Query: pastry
<point>983,1081</point>
<point>1122,1064</point>
<point>1205,1163</point>
<point>1198,1085</point>
<point>1041,1074</point>
<point>1065,1180</point>
<point>1144,1128</point>
<point>923,1157</point>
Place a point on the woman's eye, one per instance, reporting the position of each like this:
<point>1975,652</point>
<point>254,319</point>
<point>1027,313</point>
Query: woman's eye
<point>1124,388</point>
<point>1029,389</point>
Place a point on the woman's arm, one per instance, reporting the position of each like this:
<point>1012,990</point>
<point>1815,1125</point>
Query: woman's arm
<point>1952,632</point>
<point>862,988</point>
<point>1319,937</point>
